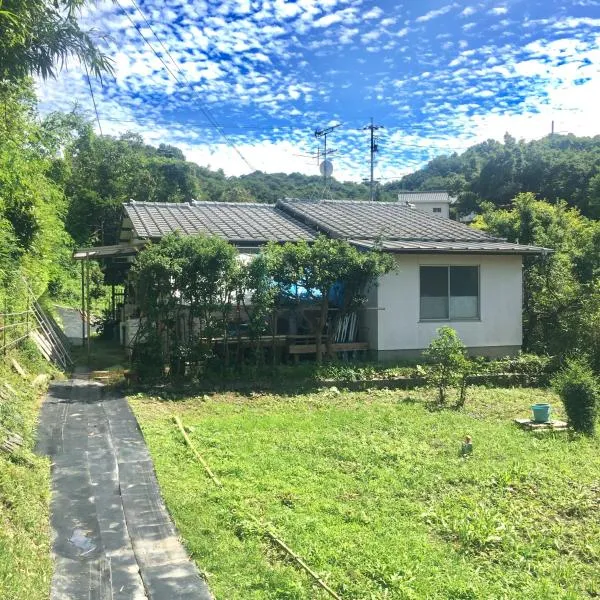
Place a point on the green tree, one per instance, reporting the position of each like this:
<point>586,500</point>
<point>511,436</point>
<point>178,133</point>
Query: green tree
<point>449,364</point>
<point>37,37</point>
<point>560,299</point>
<point>32,205</point>
<point>319,268</point>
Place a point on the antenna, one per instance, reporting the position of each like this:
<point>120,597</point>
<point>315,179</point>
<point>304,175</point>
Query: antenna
<point>326,167</point>
<point>374,148</point>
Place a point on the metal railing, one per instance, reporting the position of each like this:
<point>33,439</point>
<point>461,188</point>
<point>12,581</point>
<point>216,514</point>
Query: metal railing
<point>34,323</point>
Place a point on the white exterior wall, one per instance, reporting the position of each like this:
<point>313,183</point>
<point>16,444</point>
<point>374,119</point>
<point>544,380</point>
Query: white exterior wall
<point>429,206</point>
<point>500,303</point>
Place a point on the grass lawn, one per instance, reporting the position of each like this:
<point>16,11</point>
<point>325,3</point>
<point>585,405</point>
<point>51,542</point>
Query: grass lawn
<point>370,490</point>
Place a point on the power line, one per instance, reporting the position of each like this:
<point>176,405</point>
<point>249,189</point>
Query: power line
<point>204,110</point>
<point>93,98</point>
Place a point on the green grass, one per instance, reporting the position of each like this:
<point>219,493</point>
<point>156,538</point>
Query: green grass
<point>25,564</point>
<point>370,490</point>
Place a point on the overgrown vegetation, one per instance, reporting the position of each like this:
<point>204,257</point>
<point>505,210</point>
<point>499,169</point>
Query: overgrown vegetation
<point>370,489</point>
<point>194,295</point>
<point>579,391</point>
<point>561,301</point>
<point>25,561</point>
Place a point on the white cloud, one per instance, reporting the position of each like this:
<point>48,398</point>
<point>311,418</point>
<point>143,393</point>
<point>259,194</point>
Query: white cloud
<point>328,20</point>
<point>575,22</point>
<point>499,10</point>
<point>373,13</point>
<point>432,14</point>
<point>281,69</point>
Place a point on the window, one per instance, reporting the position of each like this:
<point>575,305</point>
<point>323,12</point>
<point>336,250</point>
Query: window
<point>449,293</point>
<point>437,209</point>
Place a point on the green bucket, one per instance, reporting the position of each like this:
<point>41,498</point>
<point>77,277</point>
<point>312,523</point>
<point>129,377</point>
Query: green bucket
<point>541,413</point>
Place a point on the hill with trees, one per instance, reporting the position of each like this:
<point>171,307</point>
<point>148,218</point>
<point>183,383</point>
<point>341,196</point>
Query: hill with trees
<point>556,167</point>
<point>101,172</point>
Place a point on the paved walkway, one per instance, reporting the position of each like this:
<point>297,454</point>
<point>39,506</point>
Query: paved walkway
<point>113,538</point>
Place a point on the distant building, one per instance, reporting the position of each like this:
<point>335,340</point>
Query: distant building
<point>436,202</point>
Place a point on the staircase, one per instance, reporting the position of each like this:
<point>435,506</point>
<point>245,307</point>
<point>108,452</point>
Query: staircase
<point>50,339</point>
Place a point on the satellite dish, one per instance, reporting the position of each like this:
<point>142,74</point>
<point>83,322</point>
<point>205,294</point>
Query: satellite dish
<point>326,168</point>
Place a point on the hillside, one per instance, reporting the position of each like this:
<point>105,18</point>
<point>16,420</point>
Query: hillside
<point>104,171</point>
<point>556,167</point>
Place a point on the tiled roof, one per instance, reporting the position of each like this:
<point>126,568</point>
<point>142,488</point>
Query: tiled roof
<point>238,223</point>
<point>417,197</point>
<point>357,219</point>
<point>479,247</point>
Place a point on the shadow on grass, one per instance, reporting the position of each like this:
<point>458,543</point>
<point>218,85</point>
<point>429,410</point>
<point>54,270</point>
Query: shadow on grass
<point>104,355</point>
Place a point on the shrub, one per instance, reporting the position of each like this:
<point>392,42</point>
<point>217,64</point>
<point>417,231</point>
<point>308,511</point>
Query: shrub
<point>450,364</point>
<point>147,358</point>
<point>578,389</point>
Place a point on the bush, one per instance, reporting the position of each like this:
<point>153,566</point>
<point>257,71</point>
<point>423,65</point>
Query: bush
<point>578,389</point>
<point>450,364</point>
<point>147,358</point>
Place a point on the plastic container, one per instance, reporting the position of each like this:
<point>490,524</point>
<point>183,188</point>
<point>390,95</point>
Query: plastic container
<point>541,413</point>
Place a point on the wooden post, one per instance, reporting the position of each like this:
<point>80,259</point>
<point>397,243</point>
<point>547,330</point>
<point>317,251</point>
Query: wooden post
<point>82,303</point>
<point>87,301</point>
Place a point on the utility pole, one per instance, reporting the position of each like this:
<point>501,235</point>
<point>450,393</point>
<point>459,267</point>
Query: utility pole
<point>323,133</point>
<point>374,149</point>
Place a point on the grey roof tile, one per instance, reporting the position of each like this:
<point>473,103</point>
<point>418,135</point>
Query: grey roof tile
<point>236,222</point>
<point>358,219</point>
<point>433,196</point>
<point>397,227</point>
<point>478,247</point>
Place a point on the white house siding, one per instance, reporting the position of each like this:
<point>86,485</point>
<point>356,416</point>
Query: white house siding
<point>429,207</point>
<point>399,333</point>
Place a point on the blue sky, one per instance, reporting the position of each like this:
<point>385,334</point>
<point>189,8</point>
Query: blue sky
<point>439,76</point>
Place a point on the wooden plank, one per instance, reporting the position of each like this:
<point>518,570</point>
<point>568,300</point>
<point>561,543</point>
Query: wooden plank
<point>312,348</point>
<point>18,368</point>
<point>549,426</point>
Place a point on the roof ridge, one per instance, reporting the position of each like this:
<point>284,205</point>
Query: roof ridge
<point>217,203</point>
<point>150,203</point>
<point>338,201</point>
<point>423,192</point>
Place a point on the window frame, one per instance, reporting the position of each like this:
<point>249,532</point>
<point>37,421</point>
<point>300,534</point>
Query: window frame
<point>449,319</point>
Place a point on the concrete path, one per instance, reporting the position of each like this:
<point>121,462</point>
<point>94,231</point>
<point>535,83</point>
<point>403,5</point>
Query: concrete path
<point>113,538</point>
<point>72,324</point>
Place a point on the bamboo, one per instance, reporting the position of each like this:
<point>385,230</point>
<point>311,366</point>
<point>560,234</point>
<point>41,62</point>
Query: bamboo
<point>196,453</point>
<point>302,564</point>
<point>279,542</point>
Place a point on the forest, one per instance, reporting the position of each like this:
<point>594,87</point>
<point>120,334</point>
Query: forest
<point>62,185</point>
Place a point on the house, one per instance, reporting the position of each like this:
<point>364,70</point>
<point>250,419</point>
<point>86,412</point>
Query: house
<point>447,273</point>
<point>436,202</point>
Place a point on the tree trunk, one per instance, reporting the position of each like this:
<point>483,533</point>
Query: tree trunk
<point>321,326</point>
